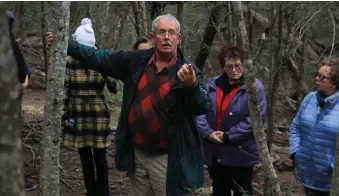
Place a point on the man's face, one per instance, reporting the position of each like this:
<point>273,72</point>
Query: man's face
<point>166,38</point>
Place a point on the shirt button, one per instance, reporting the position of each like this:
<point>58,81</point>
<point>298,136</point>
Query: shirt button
<point>239,147</point>
<point>218,160</point>
<point>231,113</point>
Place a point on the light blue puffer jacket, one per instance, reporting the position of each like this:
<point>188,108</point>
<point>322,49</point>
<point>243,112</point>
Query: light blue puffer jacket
<point>313,135</point>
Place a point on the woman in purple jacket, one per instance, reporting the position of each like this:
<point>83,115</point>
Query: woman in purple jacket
<point>229,145</point>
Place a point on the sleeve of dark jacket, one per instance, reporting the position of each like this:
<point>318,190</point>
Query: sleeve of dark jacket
<point>111,85</point>
<point>112,64</point>
<point>197,102</point>
<point>19,58</point>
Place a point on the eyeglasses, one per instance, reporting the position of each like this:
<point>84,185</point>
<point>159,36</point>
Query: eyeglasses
<point>322,77</point>
<point>237,67</point>
<point>169,33</point>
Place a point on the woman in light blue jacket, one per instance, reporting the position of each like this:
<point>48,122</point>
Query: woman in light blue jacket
<point>314,131</point>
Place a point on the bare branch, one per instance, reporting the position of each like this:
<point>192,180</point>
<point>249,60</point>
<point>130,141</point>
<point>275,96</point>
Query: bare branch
<point>333,35</point>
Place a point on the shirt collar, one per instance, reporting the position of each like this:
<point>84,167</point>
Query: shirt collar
<point>173,60</point>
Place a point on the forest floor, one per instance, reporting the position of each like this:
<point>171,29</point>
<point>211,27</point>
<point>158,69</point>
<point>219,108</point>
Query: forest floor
<point>71,174</point>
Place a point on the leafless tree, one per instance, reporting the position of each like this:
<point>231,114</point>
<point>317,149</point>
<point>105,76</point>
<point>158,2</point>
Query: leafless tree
<point>11,174</point>
<point>57,21</point>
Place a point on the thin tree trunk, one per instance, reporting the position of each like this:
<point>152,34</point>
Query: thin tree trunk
<point>137,17</point>
<point>43,31</point>
<point>17,22</point>
<point>58,22</point>
<point>256,120</point>
<point>104,22</point>
<point>230,36</point>
<point>11,173</point>
<point>181,16</point>
<point>250,29</point>
<point>143,9</point>
<point>275,77</point>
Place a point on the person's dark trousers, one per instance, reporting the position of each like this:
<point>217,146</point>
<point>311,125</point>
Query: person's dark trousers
<point>96,185</point>
<point>311,192</point>
<point>225,179</point>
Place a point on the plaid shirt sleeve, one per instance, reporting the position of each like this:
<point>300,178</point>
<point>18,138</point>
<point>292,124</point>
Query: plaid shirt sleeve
<point>197,101</point>
<point>112,64</point>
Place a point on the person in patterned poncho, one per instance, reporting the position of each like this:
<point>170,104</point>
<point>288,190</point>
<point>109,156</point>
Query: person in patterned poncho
<point>84,104</point>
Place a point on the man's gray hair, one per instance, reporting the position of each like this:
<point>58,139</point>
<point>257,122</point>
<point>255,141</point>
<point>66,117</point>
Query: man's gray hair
<point>168,17</point>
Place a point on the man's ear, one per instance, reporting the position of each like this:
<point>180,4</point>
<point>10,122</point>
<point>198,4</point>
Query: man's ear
<point>152,37</point>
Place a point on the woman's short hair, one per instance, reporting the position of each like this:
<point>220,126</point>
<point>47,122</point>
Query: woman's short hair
<point>230,52</point>
<point>332,62</point>
<point>141,40</point>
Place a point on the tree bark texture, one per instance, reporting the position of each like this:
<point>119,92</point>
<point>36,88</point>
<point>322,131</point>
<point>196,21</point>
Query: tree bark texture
<point>11,172</point>
<point>43,32</point>
<point>275,77</point>
<point>137,18</point>
<point>254,109</point>
<point>181,16</point>
<point>104,22</point>
<point>143,8</point>
<point>58,21</point>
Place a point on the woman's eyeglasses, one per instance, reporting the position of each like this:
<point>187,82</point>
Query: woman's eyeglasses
<point>322,77</point>
<point>237,67</point>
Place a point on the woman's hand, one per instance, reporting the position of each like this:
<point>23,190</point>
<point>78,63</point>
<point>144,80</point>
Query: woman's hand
<point>214,137</point>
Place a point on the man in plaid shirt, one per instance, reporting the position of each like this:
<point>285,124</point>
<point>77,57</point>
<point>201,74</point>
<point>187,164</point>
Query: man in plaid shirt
<point>157,140</point>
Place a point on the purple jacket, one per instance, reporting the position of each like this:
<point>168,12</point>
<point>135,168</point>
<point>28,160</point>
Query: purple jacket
<point>241,150</point>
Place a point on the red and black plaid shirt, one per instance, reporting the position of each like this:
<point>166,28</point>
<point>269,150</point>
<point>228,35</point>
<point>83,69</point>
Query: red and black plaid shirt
<point>148,117</point>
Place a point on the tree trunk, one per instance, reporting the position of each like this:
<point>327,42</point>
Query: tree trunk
<point>230,35</point>
<point>256,120</point>
<point>11,173</point>
<point>275,76</point>
<point>275,72</point>
<point>43,31</point>
<point>143,9</point>
<point>217,17</point>
<point>58,21</point>
<point>137,18</point>
<point>181,16</point>
<point>104,22</point>
<point>17,14</point>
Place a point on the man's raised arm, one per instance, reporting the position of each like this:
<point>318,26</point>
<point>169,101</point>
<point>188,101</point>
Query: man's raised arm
<point>112,64</point>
